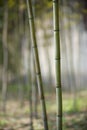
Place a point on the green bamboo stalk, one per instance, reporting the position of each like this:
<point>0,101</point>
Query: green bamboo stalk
<point>74,83</point>
<point>35,92</point>
<point>57,64</point>
<point>30,92</point>
<point>21,36</point>
<point>37,64</point>
<point>5,56</point>
<point>66,46</point>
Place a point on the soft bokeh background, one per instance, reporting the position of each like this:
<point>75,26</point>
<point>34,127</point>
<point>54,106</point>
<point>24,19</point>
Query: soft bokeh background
<point>17,69</point>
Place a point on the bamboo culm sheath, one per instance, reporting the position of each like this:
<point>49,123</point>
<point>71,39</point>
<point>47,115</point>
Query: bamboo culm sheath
<point>57,64</point>
<point>37,64</point>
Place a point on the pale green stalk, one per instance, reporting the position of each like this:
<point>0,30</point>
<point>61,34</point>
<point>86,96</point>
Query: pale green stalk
<point>37,64</point>
<point>5,56</point>
<point>57,64</point>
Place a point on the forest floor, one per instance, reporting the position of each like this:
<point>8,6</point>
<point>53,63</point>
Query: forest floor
<point>74,118</point>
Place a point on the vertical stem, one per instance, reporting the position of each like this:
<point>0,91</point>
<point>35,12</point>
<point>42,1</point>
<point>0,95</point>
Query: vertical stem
<point>21,42</point>
<point>57,64</point>
<point>37,64</point>
<point>65,44</point>
<point>74,83</point>
<point>47,53</point>
<point>5,57</point>
<point>30,80</point>
<point>34,88</point>
<point>30,92</point>
<point>35,92</point>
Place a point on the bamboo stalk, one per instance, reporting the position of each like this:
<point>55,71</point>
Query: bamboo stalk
<point>37,64</point>
<point>35,88</point>
<point>57,64</point>
<point>30,92</point>
<point>29,81</point>
<point>21,41</point>
<point>5,56</point>
<point>35,92</point>
<point>66,46</point>
<point>74,83</point>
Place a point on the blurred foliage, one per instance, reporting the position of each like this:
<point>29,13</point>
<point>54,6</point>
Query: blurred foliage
<point>11,3</point>
<point>3,123</point>
<point>41,9</point>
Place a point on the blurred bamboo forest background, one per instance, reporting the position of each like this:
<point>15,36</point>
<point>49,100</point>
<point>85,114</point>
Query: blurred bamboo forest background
<point>18,83</point>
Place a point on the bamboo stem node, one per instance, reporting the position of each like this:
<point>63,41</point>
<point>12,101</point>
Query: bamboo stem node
<point>38,73</point>
<point>56,30</point>
<point>30,18</point>
<point>34,46</point>
<point>58,59</point>
<point>55,1</point>
<point>57,86</point>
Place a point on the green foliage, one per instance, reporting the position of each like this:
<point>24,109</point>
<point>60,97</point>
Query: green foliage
<point>3,122</point>
<point>11,3</point>
<point>68,105</point>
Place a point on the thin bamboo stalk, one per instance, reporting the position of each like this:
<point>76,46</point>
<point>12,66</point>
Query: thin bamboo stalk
<point>21,40</point>
<point>57,64</point>
<point>66,46</point>
<point>35,92</point>
<point>37,64</point>
<point>5,57</point>
<point>29,81</point>
<point>30,92</point>
<point>72,69</point>
<point>74,83</point>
